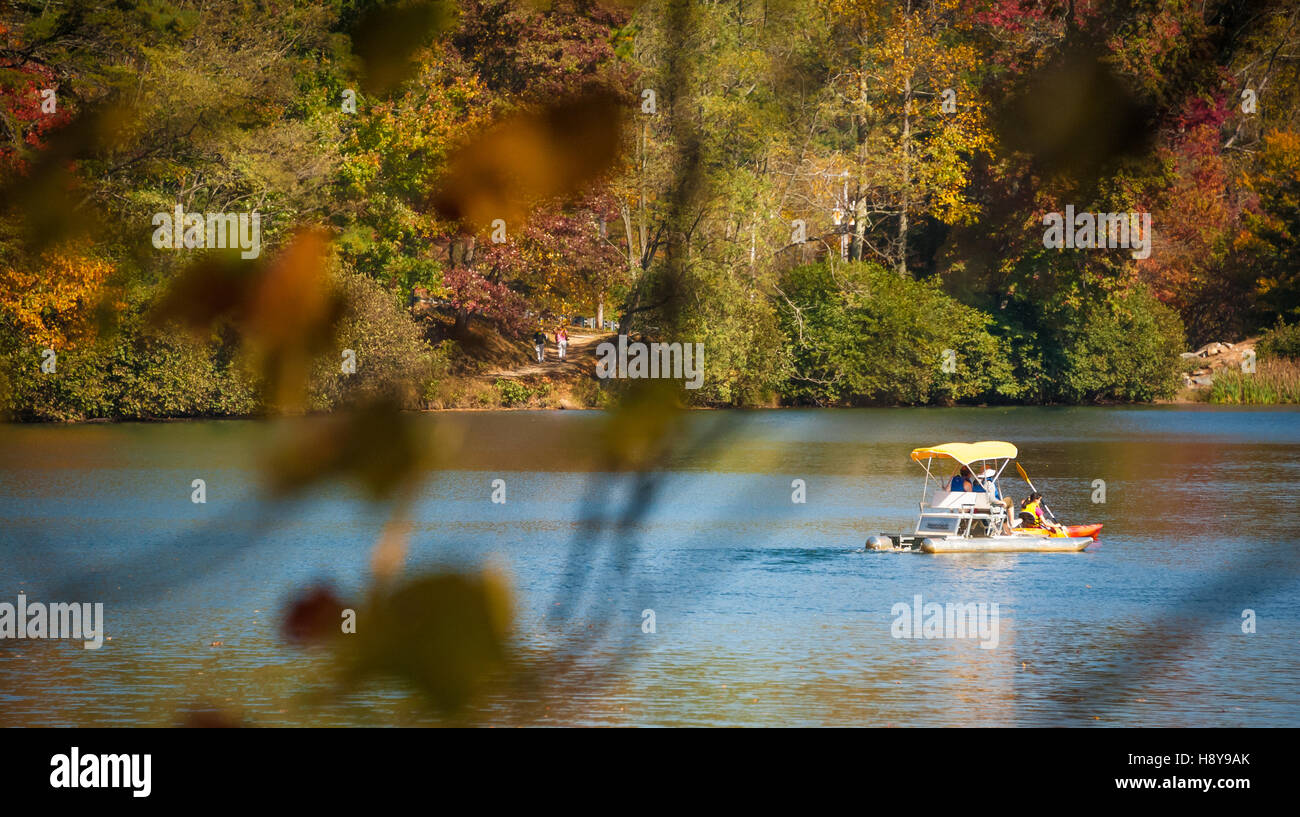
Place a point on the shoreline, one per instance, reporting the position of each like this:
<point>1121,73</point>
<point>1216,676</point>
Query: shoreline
<point>593,409</point>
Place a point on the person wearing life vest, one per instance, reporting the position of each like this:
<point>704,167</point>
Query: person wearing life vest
<point>1031,513</point>
<point>962,481</point>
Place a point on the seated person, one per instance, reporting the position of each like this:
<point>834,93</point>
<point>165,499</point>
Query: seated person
<point>987,484</point>
<point>961,481</point>
<point>1031,515</point>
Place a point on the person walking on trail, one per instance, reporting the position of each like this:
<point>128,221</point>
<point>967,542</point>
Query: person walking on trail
<point>562,341</point>
<point>539,343</point>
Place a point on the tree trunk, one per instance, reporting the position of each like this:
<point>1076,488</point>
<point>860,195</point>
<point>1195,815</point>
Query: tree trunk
<point>859,208</point>
<point>907,170</point>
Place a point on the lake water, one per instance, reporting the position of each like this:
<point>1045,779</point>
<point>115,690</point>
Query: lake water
<point>766,611</point>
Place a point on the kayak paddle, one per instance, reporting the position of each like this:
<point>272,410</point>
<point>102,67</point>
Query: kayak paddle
<point>1025,476</point>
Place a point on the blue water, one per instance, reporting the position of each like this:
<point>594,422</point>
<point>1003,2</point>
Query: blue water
<point>766,611</point>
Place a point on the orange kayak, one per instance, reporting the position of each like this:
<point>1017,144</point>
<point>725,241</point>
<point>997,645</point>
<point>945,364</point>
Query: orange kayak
<point>1083,530</point>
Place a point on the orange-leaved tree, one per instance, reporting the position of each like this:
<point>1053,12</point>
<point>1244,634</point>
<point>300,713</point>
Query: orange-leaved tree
<point>53,301</point>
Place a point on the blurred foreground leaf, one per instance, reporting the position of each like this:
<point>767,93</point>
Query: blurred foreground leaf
<point>216,286</point>
<point>1076,116</point>
<point>313,617</point>
<point>292,318</point>
<point>638,430</point>
<point>386,38</point>
<point>442,634</point>
<point>377,444</point>
<point>46,201</point>
<point>286,310</point>
<point>552,152</point>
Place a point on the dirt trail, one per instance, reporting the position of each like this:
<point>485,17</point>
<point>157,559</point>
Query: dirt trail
<point>580,360</point>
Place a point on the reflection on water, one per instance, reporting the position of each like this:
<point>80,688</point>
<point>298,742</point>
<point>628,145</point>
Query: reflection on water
<point>766,611</point>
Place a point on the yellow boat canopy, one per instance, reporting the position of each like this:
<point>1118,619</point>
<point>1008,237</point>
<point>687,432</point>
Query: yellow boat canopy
<point>966,453</point>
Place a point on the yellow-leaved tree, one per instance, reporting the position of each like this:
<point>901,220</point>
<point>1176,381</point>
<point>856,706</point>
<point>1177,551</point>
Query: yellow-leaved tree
<point>53,301</point>
<point>906,89</point>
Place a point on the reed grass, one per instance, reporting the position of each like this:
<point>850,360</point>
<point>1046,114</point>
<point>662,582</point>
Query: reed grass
<point>1273,382</point>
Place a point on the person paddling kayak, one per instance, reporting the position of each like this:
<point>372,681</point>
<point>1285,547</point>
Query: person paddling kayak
<point>1032,515</point>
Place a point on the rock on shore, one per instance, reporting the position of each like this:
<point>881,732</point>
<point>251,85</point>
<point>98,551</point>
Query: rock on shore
<point>1212,357</point>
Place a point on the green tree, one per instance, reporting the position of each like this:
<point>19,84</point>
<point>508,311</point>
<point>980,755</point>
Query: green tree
<point>858,333</point>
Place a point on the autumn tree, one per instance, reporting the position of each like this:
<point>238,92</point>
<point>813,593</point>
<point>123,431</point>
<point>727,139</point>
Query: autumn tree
<point>393,151</point>
<point>53,303</point>
<point>912,116</point>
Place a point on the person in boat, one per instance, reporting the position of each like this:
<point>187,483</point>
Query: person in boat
<point>1032,515</point>
<point>987,483</point>
<point>962,481</point>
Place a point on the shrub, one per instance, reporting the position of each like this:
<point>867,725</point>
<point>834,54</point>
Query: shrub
<point>860,333</point>
<point>139,372</point>
<point>1123,347</point>
<point>513,393</point>
<point>738,332</point>
<point>1090,346</point>
<point>1280,342</point>
<point>134,373</point>
<point>392,357</point>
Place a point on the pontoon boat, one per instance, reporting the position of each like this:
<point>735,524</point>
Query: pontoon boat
<point>974,521</point>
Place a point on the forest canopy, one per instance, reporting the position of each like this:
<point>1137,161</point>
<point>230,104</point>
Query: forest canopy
<point>844,200</point>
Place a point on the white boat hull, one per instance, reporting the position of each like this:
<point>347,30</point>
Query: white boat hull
<point>1005,544</point>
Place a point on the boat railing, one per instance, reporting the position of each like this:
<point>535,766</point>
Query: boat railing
<point>956,499</point>
<point>964,515</point>
<point>961,512</point>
